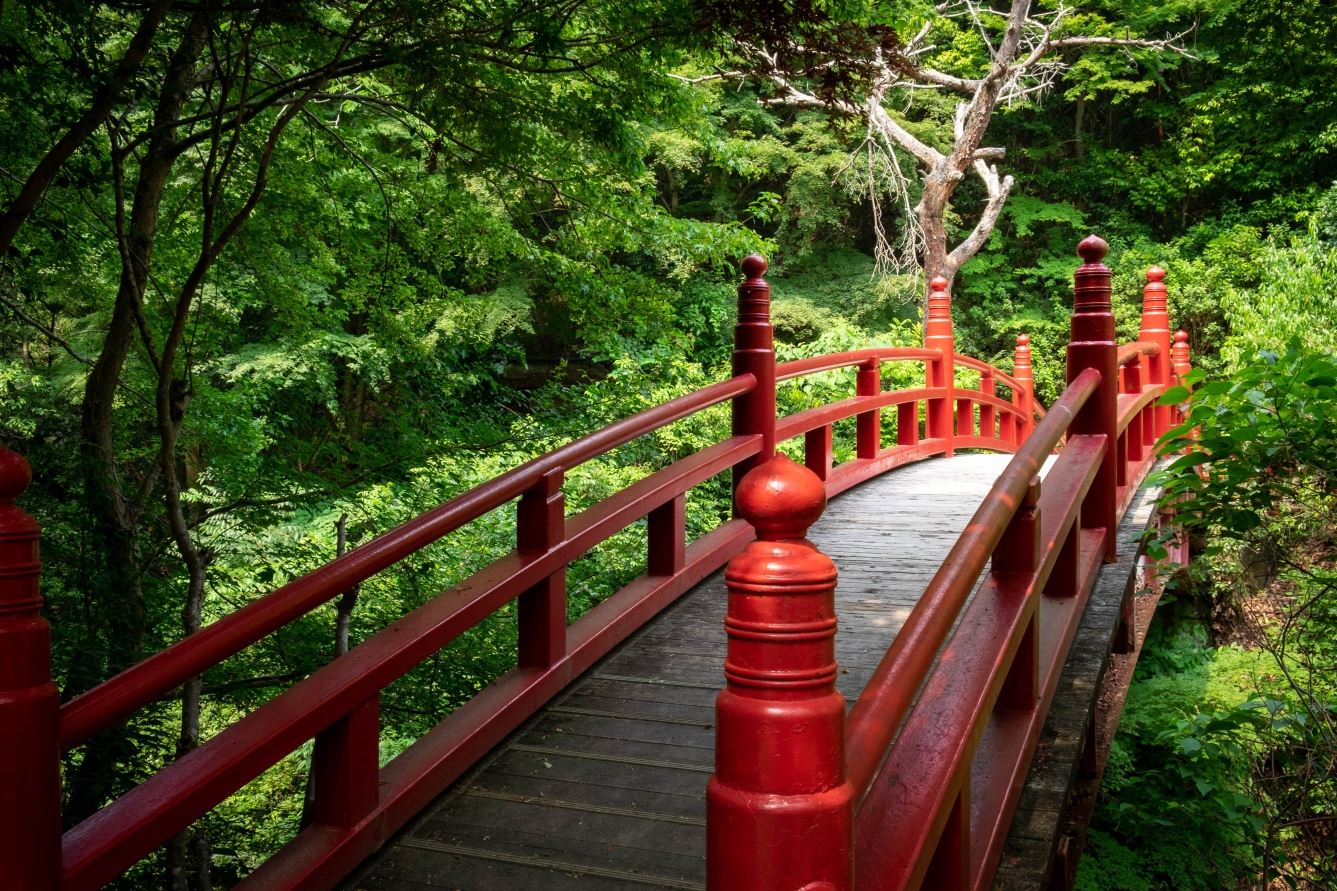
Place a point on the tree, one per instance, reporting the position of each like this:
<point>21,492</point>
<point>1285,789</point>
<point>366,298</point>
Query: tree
<point>1022,54</point>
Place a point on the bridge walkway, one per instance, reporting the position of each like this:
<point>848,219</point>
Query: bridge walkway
<point>605,788</point>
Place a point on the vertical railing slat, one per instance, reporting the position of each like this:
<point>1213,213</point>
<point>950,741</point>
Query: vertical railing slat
<point>540,526</point>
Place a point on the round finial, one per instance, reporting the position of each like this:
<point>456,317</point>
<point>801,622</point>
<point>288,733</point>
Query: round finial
<point>15,474</point>
<point>1093,248</point>
<point>1181,336</point>
<point>1023,340</point>
<point>1155,274</point>
<point>781,498</point>
<point>754,266</point>
<point>939,283</point>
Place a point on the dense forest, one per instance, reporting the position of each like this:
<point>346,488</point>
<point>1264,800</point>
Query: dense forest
<point>276,276</point>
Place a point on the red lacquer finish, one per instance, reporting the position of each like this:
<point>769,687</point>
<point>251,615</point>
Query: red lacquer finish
<point>754,354</point>
<point>779,810</point>
<point>29,751</point>
<point>1091,345</point>
<point>1023,395</point>
<point>1156,329</point>
<point>939,335</point>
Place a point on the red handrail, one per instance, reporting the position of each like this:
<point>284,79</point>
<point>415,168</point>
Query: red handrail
<point>878,711</point>
<point>159,674</point>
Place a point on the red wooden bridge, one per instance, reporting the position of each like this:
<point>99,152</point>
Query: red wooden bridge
<point>892,754</point>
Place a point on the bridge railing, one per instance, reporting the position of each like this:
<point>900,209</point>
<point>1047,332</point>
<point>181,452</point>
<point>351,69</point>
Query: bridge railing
<point>358,803</point>
<point>916,788</point>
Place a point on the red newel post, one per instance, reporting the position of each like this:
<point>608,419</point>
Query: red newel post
<point>1091,345</point>
<point>1156,328</point>
<point>29,702</point>
<point>754,353</point>
<point>1181,367</point>
<point>779,809</point>
<point>1024,396</point>
<point>540,525</point>
<point>939,335</point>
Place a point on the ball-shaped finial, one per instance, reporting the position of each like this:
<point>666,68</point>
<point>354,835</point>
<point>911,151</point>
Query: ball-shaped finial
<point>1181,336</point>
<point>15,474</point>
<point>1155,274</point>
<point>754,266</point>
<point>939,283</point>
<point>781,498</point>
<point>1093,248</point>
<point>1023,340</point>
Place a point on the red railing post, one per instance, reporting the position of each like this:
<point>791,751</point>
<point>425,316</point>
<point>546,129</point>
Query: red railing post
<point>754,353</point>
<point>779,808</point>
<point>29,702</point>
<point>346,765</point>
<point>540,525</point>
<point>939,335</point>
<point>1024,396</point>
<point>1091,345</point>
<point>868,424</point>
<point>1181,368</point>
<point>1156,328</point>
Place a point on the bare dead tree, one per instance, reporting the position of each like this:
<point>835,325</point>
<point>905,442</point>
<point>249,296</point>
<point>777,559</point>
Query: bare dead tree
<point>1027,56</point>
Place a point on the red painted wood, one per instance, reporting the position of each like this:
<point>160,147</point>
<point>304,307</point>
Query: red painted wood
<point>868,426</point>
<point>1181,364</point>
<point>1023,391</point>
<point>346,764</point>
<point>988,414</point>
<point>1092,346</point>
<point>810,419</point>
<point>965,417</point>
<point>163,672</point>
<point>1156,329</point>
<point>779,811</point>
<point>29,753</point>
<point>830,362</point>
<point>907,423</point>
<point>666,538</point>
<point>817,451</point>
<point>939,335</point>
<point>754,354</point>
<point>541,610</point>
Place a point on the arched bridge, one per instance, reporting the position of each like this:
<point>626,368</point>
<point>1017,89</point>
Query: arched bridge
<point>886,680</point>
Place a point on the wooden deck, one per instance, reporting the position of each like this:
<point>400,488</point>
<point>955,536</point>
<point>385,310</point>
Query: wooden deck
<point>605,788</point>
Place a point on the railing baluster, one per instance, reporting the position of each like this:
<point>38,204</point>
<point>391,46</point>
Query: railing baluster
<point>939,335</point>
<point>949,870</point>
<point>754,353</point>
<point>907,423</point>
<point>989,387</point>
<point>1092,345</point>
<point>541,526</point>
<point>1063,577</point>
<point>1133,437</point>
<point>868,424</point>
<point>1018,552</point>
<point>779,809</point>
<point>817,451</point>
<point>666,537</point>
<point>29,701</point>
<point>347,768</point>
<point>1156,328</point>
<point>965,417</point>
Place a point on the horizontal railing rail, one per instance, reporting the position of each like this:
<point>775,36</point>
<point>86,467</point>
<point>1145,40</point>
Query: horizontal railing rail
<point>97,709</point>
